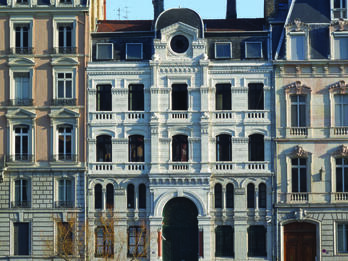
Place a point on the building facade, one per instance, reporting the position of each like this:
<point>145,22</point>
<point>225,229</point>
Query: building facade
<point>44,49</point>
<point>179,137</point>
<point>311,132</point>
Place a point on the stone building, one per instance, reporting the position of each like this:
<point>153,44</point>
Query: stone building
<point>43,55</point>
<point>179,137</point>
<point>311,105</point>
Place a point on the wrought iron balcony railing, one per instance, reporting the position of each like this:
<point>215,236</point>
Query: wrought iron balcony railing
<point>63,102</point>
<point>65,50</point>
<point>20,102</point>
<point>64,204</point>
<point>20,204</point>
<point>20,157</point>
<point>64,157</point>
<point>22,50</point>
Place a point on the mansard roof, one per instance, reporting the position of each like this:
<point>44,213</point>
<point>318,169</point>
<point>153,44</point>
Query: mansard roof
<point>211,25</point>
<point>311,11</point>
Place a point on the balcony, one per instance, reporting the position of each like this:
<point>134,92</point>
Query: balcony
<point>135,115</point>
<point>298,131</point>
<point>20,157</point>
<point>178,166</point>
<point>65,50</point>
<point>313,198</point>
<point>22,50</point>
<point>242,116</point>
<point>64,157</point>
<point>20,204</point>
<point>64,204</point>
<point>340,197</point>
<point>339,131</point>
<point>20,102</point>
<point>63,102</point>
<point>128,168</point>
<point>250,166</point>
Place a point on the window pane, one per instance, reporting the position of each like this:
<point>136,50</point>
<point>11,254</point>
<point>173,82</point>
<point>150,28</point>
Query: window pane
<point>303,181</point>
<point>61,187</point>
<point>68,90</point>
<point>21,238</point>
<point>223,50</point>
<point>68,144</point>
<point>134,51</point>
<point>223,97</point>
<point>60,89</point>
<point>250,196</point>
<point>253,50</point>
<point>218,196</point>
<point>68,190</point>
<point>179,97</point>
<point>294,180</point>
<point>297,47</point>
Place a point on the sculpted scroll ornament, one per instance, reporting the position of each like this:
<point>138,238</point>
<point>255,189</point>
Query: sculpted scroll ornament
<point>299,152</point>
<point>297,88</point>
<point>339,87</point>
<point>342,151</point>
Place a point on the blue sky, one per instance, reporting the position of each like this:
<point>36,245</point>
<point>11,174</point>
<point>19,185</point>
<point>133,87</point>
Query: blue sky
<point>142,9</point>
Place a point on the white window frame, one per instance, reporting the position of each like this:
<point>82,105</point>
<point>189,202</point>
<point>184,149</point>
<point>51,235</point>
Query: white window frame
<point>246,50</point>
<point>344,113</point>
<point>12,72</point>
<point>141,51</point>
<point>73,190</point>
<point>343,11</point>
<point>112,51</point>
<point>337,235</point>
<point>289,47</point>
<point>298,103</point>
<point>65,134</point>
<point>64,20</point>
<point>21,189</point>
<point>13,187</point>
<point>222,57</point>
<point>21,135</point>
<point>298,167</point>
<point>334,36</point>
<point>20,220</point>
<point>64,70</point>
<point>15,20</point>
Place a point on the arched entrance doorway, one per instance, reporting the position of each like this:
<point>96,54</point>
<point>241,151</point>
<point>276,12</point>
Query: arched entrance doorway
<point>180,230</point>
<point>300,242</point>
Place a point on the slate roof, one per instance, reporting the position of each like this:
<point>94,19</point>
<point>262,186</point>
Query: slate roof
<point>211,25</point>
<point>311,11</point>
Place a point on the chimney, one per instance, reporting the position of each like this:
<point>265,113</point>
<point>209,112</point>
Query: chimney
<point>158,8</point>
<point>231,11</point>
<point>270,8</point>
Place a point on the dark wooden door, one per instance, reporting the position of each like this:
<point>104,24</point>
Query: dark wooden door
<point>180,231</point>
<point>300,242</point>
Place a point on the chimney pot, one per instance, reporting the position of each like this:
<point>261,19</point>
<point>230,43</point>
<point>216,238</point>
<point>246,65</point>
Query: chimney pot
<point>231,10</point>
<point>158,8</point>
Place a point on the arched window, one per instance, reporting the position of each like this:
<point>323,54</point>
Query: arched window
<point>218,195</point>
<point>104,148</point>
<point>98,197</point>
<point>229,196</point>
<point>130,196</point>
<point>180,148</point>
<point>104,101</point>
<point>251,195</point>
<point>255,96</point>
<point>262,195</point>
<point>136,148</point>
<point>256,147</point>
<point>109,196</point>
<point>223,147</point>
<point>142,196</point>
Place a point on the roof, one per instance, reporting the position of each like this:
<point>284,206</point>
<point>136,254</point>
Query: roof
<point>311,11</point>
<point>211,25</point>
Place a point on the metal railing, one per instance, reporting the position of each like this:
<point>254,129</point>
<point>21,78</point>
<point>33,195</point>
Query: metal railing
<point>22,50</point>
<point>65,50</point>
<point>63,102</point>
<point>20,204</point>
<point>20,157</point>
<point>20,102</point>
<point>64,204</point>
<point>64,157</point>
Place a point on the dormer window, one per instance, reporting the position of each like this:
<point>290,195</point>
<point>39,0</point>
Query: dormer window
<point>298,46</point>
<point>253,50</point>
<point>223,50</point>
<point>339,9</point>
<point>134,51</point>
<point>104,51</point>
<point>340,45</point>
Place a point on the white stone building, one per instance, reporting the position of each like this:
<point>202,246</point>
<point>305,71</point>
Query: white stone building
<point>179,137</point>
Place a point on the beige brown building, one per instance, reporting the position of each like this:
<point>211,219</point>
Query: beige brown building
<point>44,48</point>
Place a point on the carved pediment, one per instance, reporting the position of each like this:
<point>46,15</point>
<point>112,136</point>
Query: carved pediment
<point>297,26</point>
<point>64,113</point>
<point>20,114</point>
<point>339,26</point>
<point>21,61</point>
<point>297,88</point>
<point>64,61</point>
<point>299,152</point>
<point>179,28</point>
<point>339,87</point>
<point>342,151</point>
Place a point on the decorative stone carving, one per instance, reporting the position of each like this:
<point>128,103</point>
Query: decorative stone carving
<point>339,25</point>
<point>297,26</point>
<point>339,87</point>
<point>300,214</point>
<point>342,151</point>
<point>299,152</point>
<point>297,88</point>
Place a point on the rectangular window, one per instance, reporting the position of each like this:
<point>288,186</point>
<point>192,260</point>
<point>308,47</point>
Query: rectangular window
<point>298,47</point>
<point>65,244</point>
<point>21,143</point>
<point>255,96</point>
<point>223,97</point>
<point>339,9</point>
<point>65,85</point>
<point>22,38</point>
<point>299,175</point>
<point>136,241</point>
<point>342,238</point>
<point>136,97</point>
<point>341,174</point>
<point>104,98</point>
<point>253,50</point>
<point>21,239</point>
<point>22,88</point>
<point>298,110</point>
<point>223,50</point>
<point>65,143</point>
<point>224,245</point>
<point>21,193</point>
<point>65,193</point>
<point>134,51</point>
<point>179,97</point>
<point>340,47</point>
<point>341,110</point>
<point>104,51</point>
<point>65,43</point>
<point>257,241</point>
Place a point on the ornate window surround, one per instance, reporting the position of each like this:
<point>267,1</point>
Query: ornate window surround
<point>340,152</point>
<point>339,87</point>
<point>297,27</point>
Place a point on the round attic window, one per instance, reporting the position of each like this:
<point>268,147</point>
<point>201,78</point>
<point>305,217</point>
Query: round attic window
<point>179,44</point>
